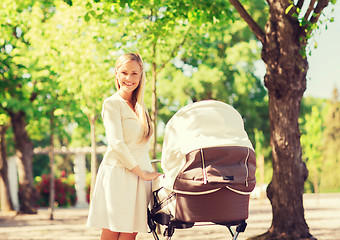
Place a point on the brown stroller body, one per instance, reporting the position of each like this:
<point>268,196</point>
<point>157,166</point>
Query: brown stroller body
<point>209,170</point>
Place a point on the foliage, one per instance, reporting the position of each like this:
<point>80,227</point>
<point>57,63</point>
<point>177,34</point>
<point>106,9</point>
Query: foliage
<point>312,143</point>
<point>319,128</point>
<point>65,193</point>
<point>72,45</point>
<point>262,150</point>
<point>24,85</point>
<point>330,181</point>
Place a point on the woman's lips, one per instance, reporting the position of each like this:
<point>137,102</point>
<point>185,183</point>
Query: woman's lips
<point>128,84</point>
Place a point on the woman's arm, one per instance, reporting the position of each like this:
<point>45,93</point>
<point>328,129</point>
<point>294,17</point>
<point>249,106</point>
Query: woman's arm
<point>114,134</point>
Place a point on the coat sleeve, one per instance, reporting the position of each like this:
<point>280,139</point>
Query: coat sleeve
<point>111,115</point>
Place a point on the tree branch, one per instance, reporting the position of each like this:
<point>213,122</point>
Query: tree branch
<point>3,76</point>
<point>300,4</point>
<point>249,20</point>
<point>317,11</point>
<point>33,96</point>
<point>310,9</point>
<point>175,50</point>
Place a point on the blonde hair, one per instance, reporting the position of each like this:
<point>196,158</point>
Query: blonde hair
<point>138,94</point>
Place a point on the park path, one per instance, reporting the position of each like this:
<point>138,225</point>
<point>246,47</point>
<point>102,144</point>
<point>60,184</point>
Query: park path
<point>322,215</point>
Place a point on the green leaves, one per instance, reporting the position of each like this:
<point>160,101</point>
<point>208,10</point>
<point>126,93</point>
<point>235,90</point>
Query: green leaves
<point>88,15</point>
<point>319,140</point>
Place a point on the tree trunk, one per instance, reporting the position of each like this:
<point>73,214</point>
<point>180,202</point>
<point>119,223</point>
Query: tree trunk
<point>24,151</point>
<point>92,120</point>
<point>316,180</point>
<point>51,157</point>
<point>6,202</point>
<point>154,107</point>
<point>284,44</point>
<point>286,82</point>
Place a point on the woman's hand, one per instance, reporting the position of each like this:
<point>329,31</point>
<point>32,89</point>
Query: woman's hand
<point>145,175</point>
<point>148,176</point>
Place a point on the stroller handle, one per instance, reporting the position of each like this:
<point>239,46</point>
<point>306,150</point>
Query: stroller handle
<point>155,160</point>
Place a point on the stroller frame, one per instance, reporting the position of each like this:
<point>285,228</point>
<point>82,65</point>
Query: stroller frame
<point>164,219</point>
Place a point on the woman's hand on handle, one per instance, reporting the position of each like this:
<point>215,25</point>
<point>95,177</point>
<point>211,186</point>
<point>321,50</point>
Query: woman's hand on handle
<point>145,175</point>
<point>151,175</point>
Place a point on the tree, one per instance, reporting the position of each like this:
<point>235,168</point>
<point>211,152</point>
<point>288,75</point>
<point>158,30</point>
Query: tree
<point>284,41</point>
<point>26,84</point>
<point>5,197</point>
<point>18,92</point>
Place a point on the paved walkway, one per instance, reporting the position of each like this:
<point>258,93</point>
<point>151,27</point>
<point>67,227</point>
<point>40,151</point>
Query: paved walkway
<point>322,214</point>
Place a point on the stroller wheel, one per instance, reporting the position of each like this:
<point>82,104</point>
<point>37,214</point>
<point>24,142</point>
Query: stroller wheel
<point>170,229</point>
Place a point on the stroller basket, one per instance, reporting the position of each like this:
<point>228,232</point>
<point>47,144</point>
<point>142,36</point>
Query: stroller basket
<point>204,182</point>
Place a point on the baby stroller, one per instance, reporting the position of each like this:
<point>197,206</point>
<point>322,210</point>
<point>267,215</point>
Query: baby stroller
<point>209,170</point>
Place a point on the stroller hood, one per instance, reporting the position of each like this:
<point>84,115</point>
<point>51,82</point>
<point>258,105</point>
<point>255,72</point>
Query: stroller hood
<point>199,125</point>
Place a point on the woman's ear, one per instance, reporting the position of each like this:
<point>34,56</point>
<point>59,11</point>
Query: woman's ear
<point>116,76</point>
<point>117,83</point>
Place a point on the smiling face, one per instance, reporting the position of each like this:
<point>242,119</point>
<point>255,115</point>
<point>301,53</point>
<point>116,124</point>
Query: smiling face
<point>128,76</point>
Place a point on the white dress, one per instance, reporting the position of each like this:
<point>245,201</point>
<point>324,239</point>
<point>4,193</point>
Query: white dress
<point>120,198</point>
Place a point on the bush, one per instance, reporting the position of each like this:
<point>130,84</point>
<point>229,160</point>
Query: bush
<point>65,193</point>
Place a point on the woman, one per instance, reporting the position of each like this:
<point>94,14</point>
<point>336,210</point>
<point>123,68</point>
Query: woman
<point>123,188</point>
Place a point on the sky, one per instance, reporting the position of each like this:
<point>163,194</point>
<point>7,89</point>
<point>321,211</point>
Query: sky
<point>324,61</point>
